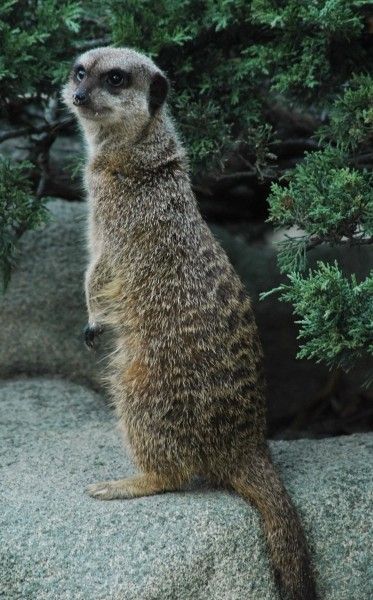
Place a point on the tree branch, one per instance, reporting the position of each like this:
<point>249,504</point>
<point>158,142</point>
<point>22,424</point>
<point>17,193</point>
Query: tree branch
<point>360,240</point>
<point>41,158</point>
<point>52,128</point>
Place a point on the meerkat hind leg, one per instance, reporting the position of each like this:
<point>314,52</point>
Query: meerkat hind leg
<point>146,484</point>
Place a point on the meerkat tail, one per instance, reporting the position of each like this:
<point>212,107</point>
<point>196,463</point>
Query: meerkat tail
<point>262,486</point>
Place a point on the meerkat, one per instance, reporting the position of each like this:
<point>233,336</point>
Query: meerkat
<point>186,376</point>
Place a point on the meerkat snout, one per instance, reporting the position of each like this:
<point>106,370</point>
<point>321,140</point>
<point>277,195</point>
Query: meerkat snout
<point>80,98</point>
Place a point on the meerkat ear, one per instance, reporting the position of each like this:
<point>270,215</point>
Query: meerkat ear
<point>158,91</point>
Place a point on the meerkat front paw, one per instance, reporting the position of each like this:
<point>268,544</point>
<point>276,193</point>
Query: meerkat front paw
<point>91,333</point>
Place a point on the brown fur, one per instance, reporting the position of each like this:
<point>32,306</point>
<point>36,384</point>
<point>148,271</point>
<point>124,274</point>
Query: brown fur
<point>186,376</point>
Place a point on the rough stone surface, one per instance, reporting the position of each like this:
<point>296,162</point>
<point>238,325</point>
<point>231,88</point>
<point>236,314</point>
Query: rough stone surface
<point>201,544</point>
<point>43,311</point>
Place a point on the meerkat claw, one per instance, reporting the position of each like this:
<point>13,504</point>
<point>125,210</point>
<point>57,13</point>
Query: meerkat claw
<point>110,490</point>
<point>91,332</point>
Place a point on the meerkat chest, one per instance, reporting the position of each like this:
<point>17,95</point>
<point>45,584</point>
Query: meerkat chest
<point>108,198</point>
<point>118,217</point>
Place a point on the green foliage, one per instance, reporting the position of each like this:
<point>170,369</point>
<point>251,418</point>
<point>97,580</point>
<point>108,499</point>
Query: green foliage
<point>222,56</point>
<point>309,40</point>
<point>351,116</point>
<point>19,211</point>
<point>336,314</point>
<point>328,197</point>
<point>326,200</point>
<point>35,44</point>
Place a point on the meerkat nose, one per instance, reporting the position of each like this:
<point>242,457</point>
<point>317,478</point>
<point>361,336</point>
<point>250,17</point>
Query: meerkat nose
<point>80,98</point>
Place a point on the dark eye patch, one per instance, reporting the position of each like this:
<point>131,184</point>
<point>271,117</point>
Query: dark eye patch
<point>117,79</point>
<point>79,72</point>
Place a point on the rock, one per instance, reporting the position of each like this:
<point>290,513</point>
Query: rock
<point>199,544</point>
<point>43,311</point>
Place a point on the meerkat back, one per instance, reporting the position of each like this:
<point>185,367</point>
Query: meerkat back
<point>186,375</point>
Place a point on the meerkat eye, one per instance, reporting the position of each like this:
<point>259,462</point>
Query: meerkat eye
<point>115,78</point>
<point>80,73</point>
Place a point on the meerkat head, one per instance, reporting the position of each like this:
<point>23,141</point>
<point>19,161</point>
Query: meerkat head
<point>114,87</point>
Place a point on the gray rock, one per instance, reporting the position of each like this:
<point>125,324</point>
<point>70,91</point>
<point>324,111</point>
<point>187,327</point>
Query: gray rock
<point>199,544</point>
<point>43,310</point>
